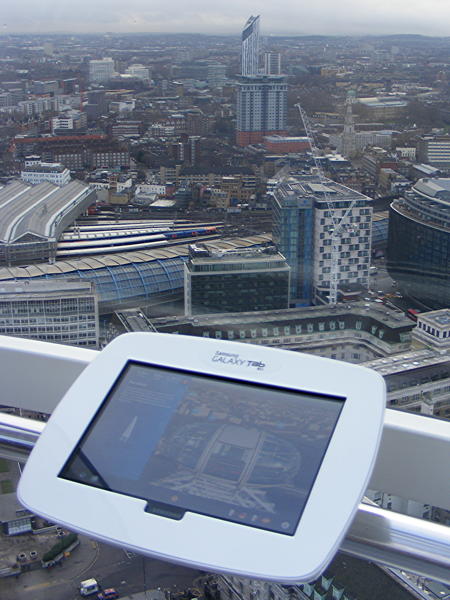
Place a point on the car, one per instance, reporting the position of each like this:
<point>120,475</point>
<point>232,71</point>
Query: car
<point>108,594</point>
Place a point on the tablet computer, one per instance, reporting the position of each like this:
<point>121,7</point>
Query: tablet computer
<point>219,455</point>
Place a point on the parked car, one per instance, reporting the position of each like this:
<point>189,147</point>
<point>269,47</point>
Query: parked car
<point>108,594</point>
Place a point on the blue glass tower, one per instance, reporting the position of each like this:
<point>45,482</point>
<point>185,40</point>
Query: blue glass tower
<point>293,235</point>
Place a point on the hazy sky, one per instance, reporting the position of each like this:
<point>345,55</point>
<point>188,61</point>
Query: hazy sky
<point>430,17</point>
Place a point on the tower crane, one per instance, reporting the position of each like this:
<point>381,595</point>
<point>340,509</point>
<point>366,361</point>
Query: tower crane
<point>339,225</point>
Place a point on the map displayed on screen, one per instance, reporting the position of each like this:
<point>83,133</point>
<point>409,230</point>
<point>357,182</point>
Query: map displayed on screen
<point>242,452</point>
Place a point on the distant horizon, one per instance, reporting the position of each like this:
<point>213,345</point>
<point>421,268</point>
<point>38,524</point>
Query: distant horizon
<point>230,34</point>
<point>430,18</point>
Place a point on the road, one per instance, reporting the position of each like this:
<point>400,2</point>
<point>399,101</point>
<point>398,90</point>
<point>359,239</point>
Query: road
<point>111,566</point>
<point>381,282</point>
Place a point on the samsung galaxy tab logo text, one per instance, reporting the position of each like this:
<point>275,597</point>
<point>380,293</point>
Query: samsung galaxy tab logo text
<point>234,359</point>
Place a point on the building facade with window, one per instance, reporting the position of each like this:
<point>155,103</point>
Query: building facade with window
<point>101,70</point>
<point>350,332</point>
<point>63,311</point>
<point>41,171</point>
<point>418,249</point>
<point>261,108</point>
<point>306,239</point>
<point>241,280</point>
<point>293,235</point>
<point>434,150</point>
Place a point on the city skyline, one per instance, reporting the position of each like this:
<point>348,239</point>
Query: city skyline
<point>287,17</point>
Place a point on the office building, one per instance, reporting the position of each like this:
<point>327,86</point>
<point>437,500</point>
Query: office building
<point>418,250</point>
<point>101,70</point>
<point>362,139</point>
<point>379,108</point>
<point>38,172</point>
<point>351,332</point>
<point>301,199</point>
<point>45,87</point>
<point>71,120</point>
<point>378,159</point>
<point>434,150</point>
<point>250,48</point>
<point>261,98</point>
<point>62,311</point>
<point>418,380</point>
<point>235,281</point>
<point>293,236</point>
<point>38,106</point>
<point>76,152</point>
<point>127,128</point>
<point>139,72</point>
<point>96,104</point>
<point>184,175</point>
<point>69,86</point>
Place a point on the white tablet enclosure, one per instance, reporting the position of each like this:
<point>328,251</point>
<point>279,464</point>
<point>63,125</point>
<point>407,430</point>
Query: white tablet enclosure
<point>219,455</point>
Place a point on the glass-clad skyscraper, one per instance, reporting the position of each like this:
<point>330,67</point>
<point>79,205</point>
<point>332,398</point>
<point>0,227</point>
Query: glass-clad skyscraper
<point>250,47</point>
<point>293,227</point>
<point>419,242</point>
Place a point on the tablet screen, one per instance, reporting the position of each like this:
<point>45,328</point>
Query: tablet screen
<point>242,452</point>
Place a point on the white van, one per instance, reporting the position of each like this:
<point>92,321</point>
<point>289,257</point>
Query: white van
<point>88,587</point>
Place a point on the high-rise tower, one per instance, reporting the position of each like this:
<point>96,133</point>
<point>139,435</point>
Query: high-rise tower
<point>272,63</point>
<point>261,95</point>
<point>250,47</point>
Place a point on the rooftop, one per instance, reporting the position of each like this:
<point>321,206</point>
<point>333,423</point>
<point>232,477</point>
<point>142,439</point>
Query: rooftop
<point>119,259</point>
<point>35,210</point>
<point>204,254</point>
<point>320,190</point>
<point>438,317</point>
<point>406,362</point>
<point>439,188</point>
<point>427,169</point>
<point>45,168</point>
<point>10,289</point>
<point>389,317</point>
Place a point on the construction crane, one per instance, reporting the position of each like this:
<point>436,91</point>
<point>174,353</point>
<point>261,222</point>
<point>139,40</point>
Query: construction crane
<point>339,225</point>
